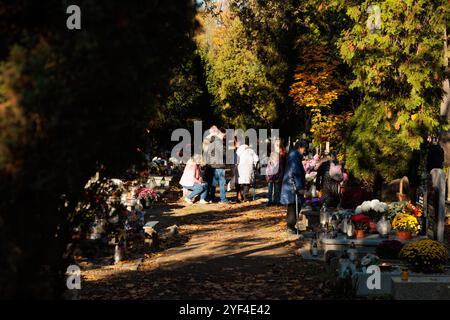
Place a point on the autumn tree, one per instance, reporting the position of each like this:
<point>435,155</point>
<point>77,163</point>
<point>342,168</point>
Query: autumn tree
<point>274,28</point>
<point>398,67</point>
<point>236,78</point>
<point>320,80</point>
<point>315,87</point>
<point>295,41</point>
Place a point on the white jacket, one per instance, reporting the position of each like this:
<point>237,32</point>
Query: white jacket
<point>246,160</point>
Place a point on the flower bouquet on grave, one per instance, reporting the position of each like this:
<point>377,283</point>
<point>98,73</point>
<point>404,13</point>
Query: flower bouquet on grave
<point>316,202</point>
<point>361,222</point>
<point>395,208</point>
<point>427,256</point>
<point>374,209</point>
<point>413,210</point>
<point>147,196</point>
<point>405,225</point>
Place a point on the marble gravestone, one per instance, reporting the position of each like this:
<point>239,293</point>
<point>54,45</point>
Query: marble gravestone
<point>438,214</point>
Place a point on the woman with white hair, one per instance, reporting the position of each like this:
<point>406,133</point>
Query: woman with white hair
<point>246,160</point>
<point>192,180</point>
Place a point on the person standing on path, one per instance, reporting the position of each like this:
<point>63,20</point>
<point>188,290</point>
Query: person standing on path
<point>208,170</point>
<point>293,184</point>
<point>216,156</point>
<point>246,160</point>
<point>275,172</point>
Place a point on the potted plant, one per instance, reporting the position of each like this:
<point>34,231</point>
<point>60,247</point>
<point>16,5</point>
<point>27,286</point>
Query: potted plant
<point>373,209</point>
<point>405,224</point>
<point>415,211</point>
<point>361,222</point>
<point>427,256</point>
<point>395,208</point>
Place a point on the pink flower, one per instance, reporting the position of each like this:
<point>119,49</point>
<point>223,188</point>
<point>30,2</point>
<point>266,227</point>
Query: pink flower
<point>146,193</point>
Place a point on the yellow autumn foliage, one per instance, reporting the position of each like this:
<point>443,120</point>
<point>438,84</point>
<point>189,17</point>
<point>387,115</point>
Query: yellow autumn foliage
<point>314,83</point>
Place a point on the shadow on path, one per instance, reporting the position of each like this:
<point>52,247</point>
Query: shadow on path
<point>227,252</point>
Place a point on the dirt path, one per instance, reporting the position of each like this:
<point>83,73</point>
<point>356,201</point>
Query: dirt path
<point>237,251</point>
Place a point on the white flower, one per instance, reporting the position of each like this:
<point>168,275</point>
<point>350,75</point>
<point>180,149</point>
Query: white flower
<point>358,210</point>
<point>366,206</point>
<point>380,206</point>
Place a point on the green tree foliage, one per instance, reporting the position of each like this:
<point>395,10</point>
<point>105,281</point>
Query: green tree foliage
<point>237,78</point>
<point>274,28</point>
<point>71,101</point>
<point>286,36</point>
<point>320,78</point>
<point>188,99</point>
<point>399,70</point>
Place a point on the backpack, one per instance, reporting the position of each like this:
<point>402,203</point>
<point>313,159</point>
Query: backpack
<point>336,172</point>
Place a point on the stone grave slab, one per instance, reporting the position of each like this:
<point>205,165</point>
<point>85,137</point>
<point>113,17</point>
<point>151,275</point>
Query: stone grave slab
<point>365,245</point>
<point>360,281</point>
<point>423,287</point>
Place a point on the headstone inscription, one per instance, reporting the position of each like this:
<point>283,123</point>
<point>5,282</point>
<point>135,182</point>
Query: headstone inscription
<point>421,202</point>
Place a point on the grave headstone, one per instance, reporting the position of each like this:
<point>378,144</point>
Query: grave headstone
<point>448,185</point>
<point>438,214</point>
<point>421,202</point>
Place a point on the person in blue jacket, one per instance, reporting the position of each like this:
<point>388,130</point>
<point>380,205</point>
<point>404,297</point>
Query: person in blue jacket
<point>294,183</point>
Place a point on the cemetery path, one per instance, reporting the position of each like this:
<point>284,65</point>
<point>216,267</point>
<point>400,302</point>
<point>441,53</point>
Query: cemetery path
<point>237,251</point>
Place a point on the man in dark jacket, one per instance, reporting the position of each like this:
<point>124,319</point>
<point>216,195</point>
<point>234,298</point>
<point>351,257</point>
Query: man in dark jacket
<point>216,158</point>
<point>294,183</point>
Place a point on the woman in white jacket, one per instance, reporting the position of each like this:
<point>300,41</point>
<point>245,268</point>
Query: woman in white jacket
<point>246,160</point>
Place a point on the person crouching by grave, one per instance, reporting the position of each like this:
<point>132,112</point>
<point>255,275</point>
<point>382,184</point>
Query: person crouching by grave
<point>275,172</point>
<point>192,180</point>
<point>328,180</point>
<point>292,188</point>
<point>246,160</point>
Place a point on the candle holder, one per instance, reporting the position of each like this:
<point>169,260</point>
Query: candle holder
<point>405,273</point>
